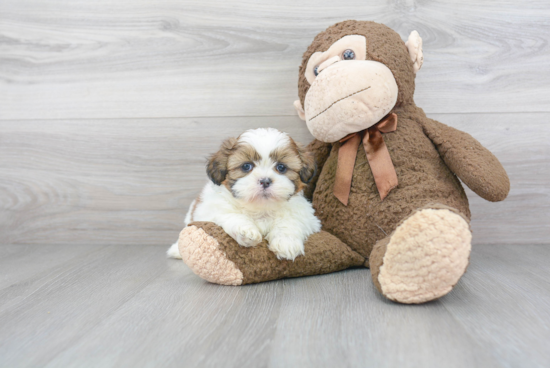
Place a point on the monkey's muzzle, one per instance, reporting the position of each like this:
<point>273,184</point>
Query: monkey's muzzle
<point>347,97</point>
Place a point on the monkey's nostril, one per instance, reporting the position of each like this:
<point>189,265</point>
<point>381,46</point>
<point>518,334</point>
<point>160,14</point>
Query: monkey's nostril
<point>265,182</point>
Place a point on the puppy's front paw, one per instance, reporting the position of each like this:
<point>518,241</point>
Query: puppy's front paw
<point>286,247</point>
<point>247,236</point>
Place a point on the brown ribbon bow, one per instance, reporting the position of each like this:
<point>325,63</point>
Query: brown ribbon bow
<point>377,155</point>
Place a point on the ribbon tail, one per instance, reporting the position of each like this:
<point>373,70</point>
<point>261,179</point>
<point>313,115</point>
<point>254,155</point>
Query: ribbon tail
<point>380,162</point>
<point>344,171</point>
<point>388,124</point>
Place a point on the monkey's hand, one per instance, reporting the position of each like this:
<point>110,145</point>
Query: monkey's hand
<point>474,164</point>
<point>321,151</point>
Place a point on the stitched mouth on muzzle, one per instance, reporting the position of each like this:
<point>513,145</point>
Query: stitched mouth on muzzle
<point>343,98</point>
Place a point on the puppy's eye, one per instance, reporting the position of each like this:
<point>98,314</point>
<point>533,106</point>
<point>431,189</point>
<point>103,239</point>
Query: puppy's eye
<point>348,55</point>
<point>247,167</point>
<point>316,70</point>
<point>281,168</point>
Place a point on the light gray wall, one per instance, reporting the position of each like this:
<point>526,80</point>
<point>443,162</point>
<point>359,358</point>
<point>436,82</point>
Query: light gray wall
<point>109,108</point>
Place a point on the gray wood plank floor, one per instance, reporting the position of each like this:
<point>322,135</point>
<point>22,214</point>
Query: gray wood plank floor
<point>128,306</point>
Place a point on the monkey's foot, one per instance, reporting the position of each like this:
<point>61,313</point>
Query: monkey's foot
<point>216,257</point>
<point>203,254</point>
<point>424,257</point>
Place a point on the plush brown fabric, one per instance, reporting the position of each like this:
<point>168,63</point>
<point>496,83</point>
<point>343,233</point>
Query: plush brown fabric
<point>423,178</point>
<point>377,259</point>
<point>426,155</point>
<point>478,168</point>
<point>324,253</point>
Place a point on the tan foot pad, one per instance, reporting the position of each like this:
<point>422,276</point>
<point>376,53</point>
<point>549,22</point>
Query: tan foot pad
<point>201,252</point>
<point>425,257</point>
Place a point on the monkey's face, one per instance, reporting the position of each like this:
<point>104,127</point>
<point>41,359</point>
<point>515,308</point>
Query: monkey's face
<point>348,93</point>
<point>350,90</point>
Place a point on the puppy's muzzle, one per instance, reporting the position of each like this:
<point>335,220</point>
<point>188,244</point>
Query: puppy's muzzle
<point>265,182</point>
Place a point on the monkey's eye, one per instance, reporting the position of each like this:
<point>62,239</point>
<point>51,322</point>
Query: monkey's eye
<point>348,55</point>
<point>247,167</point>
<point>281,168</point>
<point>316,70</point>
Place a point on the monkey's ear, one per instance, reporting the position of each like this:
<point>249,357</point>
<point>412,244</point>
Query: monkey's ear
<point>216,168</point>
<point>414,44</point>
<point>300,109</point>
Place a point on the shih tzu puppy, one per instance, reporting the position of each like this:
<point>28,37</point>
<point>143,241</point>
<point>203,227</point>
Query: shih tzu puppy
<point>255,193</point>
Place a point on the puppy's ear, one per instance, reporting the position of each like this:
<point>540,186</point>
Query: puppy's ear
<point>309,168</point>
<point>216,168</point>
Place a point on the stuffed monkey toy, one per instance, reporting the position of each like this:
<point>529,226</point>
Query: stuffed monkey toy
<point>387,189</point>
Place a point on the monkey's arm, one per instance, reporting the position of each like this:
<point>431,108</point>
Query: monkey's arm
<point>321,151</point>
<point>474,164</point>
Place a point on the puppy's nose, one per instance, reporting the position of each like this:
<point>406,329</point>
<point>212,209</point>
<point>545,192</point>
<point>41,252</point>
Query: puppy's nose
<point>265,182</point>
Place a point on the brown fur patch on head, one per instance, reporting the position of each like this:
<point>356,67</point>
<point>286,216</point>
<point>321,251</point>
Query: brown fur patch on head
<point>216,168</point>
<point>242,153</point>
<point>300,164</point>
<point>383,45</point>
<point>309,168</point>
